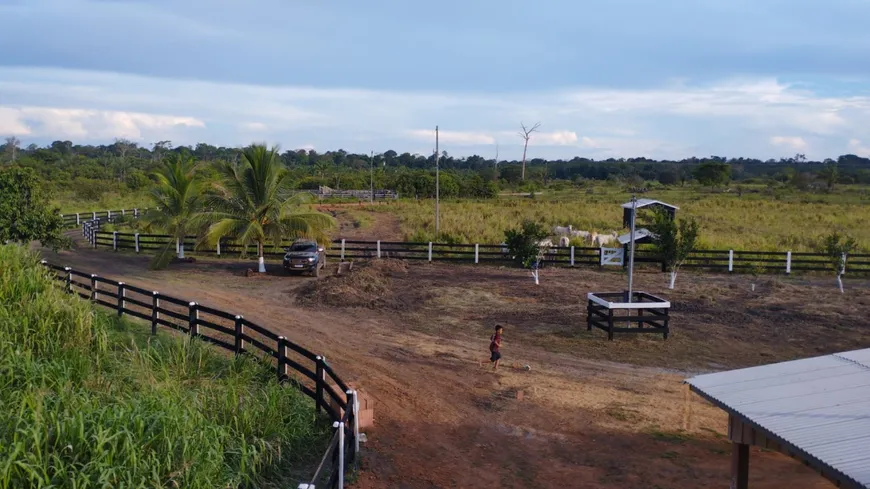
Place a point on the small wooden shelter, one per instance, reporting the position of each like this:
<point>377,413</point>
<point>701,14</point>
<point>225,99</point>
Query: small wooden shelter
<point>646,203</point>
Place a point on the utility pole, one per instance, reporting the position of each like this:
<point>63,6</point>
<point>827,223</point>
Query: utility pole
<point>631,246</point>
<point>437,187</point>
<point>372,177</point>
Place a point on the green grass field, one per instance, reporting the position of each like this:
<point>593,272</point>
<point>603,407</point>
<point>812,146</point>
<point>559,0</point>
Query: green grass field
<point>753,221</point>
<point>90,401</point>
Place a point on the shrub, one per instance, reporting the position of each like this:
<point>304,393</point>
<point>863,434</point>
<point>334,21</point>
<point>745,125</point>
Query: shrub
<point>522,243</point>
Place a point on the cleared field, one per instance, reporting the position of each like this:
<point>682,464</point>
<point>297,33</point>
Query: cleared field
<point>753,221</point>
<point>593,413</point>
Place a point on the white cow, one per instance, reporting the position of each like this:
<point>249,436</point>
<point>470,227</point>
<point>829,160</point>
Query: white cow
<point>604,239</point>
<point>564,241</point>
<point>562,230</point>
<point>576,233</point>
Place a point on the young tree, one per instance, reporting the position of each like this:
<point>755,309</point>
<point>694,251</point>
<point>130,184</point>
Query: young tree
<point>524,246</point>
<point>837,247</point>
<point>253,205</point>
<point>178,198</point>
<point>25,214</point>
<point>673,241</point>
<point>526,134</point>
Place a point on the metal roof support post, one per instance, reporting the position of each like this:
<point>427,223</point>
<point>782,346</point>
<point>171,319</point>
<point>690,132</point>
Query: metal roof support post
<point>631,246</point>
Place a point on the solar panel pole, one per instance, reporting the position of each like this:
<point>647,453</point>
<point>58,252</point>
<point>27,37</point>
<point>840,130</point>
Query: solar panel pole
<point>631,245</point>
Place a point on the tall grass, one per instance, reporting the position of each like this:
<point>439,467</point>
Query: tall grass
<point>754,221</point>
<point>90,401</point>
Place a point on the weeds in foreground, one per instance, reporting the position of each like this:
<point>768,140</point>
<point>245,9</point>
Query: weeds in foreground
<point>91,401</point>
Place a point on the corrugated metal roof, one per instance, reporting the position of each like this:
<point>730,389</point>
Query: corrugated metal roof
<point>639,234</point>
<point>819,406</point>
<point>646,202</point>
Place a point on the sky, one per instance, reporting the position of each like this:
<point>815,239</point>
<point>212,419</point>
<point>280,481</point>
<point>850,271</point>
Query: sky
<point>605,78</point>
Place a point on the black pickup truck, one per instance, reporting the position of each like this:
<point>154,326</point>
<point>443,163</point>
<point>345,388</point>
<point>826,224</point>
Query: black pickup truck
<point>305,255</point>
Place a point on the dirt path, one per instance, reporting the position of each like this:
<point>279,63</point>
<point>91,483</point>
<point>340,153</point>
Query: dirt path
<point>443,421</point>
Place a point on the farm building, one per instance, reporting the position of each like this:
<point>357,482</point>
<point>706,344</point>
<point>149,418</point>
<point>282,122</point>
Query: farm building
<point>816,410</point>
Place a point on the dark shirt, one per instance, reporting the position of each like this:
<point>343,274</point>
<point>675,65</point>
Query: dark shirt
<point>495,342</point>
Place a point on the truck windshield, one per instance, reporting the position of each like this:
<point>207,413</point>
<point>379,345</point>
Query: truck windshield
<point>304,247</point>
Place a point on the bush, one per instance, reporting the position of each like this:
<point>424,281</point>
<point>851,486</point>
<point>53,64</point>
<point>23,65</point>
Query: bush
<point>90,401</point>
<point>522,243</point>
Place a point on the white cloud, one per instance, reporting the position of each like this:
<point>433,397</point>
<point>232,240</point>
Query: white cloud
<point>858,148</point>
<point>754,118</point>
<point>88,124</point>
<point>789,141</point>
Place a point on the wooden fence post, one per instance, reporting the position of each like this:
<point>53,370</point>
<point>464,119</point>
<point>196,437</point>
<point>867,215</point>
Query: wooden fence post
<point>78,219</point>
<point>319,374</point>
<point>240,330</point>
<point>342,250</point>
<point>108,216</point>
<point>218,247</point>
<point>135,213</point>
<point>193,314</point>
<point>68,279</point>
<point>93,287</point>
<point>136,238</point>
<point>95,215</point>
<point>572,256</point>
<point>115,240</point>
<point>122,293</point>
<point>730,261</point>
<point>788,262</point>
<point>123,212</point>
<point>379,248</point>
<point>476,253</point>
<point>430,252</point>
<point>282,357</point>
<point>155,311</point>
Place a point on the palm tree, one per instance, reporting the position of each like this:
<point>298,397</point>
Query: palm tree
<point>253,205</point>
<point>178,200</point>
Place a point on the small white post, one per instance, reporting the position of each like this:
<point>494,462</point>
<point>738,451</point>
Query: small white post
<point>430,251</point>
<point>355,419</point>
<point>95,215</point>
<point>115,240</point>
<point>788,263</point>
<point>379,248</point>
<point>123,295</point>
<point>123,212</point>
<point>730,261</point>
<point>78,219</point>
<point>136,239</point>
<point>135,213</point>
<point>572,256</point>
<point>476,253</point>
<point>340,428</point>
<point>219,247</point>
<point>108,215</point>
<point>342,250</point>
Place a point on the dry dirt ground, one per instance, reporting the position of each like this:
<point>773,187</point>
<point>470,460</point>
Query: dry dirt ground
<point>594,414</point>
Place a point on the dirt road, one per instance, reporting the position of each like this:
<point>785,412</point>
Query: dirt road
<point>444,421</point>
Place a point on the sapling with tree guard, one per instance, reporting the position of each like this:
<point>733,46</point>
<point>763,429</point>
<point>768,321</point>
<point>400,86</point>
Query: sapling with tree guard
<point>837,248</point>
<point>673,241</point>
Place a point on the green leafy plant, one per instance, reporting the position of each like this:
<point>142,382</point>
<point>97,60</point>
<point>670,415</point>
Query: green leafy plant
<point>24,211</point>
<point>673,241</point>
<point>837,247</point>
<point>523,242</point>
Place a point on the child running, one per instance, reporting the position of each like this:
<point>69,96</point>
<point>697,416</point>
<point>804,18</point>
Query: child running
<point>495,346</point>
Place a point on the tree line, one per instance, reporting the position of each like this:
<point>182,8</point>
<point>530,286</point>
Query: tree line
<point>86,168</point>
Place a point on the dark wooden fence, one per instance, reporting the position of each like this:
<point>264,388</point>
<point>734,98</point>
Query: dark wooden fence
<point>293,363</point>
<point>766,262</point>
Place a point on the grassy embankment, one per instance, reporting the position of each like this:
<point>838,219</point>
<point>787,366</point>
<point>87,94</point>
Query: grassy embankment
<point>93,401</point>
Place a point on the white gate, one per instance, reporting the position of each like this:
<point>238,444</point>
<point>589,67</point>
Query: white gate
<point>612,256</point>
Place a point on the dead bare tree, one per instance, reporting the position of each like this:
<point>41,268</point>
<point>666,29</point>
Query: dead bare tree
<point>12,144</point>
<point>526,134</point>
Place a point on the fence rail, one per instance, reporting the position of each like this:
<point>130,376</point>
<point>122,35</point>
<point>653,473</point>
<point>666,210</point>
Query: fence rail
<point>293,363</point>
<point>571,256</point>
